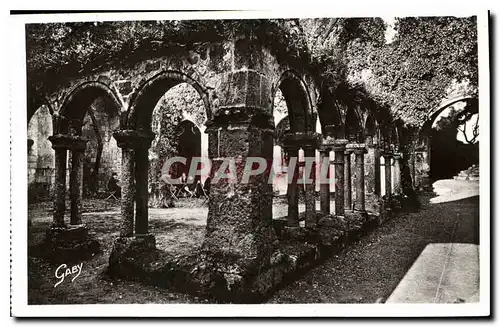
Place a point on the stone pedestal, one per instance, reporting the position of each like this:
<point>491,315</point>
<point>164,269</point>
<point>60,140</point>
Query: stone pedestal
<point>70,244</point>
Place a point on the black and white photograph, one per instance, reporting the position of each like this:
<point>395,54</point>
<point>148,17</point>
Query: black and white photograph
<point>216,160</point>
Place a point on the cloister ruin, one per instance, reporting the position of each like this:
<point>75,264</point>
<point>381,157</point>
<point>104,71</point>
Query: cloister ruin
<point>236,98</point>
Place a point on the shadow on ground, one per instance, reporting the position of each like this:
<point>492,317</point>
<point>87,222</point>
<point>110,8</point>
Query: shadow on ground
<point>370,269</point>
<point>364,272</point>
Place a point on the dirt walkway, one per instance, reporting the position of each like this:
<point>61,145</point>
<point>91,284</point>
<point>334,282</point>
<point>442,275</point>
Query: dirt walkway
<point>369,270</point>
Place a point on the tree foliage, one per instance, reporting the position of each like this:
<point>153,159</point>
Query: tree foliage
<point>349,57</point>
<point>458,120</point>
<point>411,75</point>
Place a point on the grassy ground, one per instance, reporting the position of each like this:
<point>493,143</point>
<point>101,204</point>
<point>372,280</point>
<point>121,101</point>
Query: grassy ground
<point>93,286</point>
<point>366,271</point>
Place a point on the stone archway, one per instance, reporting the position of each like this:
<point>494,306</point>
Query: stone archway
<point>135,139</point>
<point>67,125</point>
<point>438,154</point>
<point>299,142</point>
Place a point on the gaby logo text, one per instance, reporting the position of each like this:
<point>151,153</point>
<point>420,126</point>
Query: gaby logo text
<point>64,271</point>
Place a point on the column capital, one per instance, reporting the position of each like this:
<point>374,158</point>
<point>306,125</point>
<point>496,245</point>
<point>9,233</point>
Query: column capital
<point>339,145</point>
<point>397,155</point>
<point>357,148</point>
<point>387,154</point>
<point>302,139</point>
<point>325,148</point>
<point>68,142</point>
<point>132,139</point>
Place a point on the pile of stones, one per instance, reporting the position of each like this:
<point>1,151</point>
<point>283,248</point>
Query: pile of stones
<point>470,174</point>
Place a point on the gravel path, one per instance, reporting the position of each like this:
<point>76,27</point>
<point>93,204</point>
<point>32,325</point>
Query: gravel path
<point>369,270</point>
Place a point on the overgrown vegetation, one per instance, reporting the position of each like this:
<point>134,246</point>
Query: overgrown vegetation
<point>349,57</point>
<point>427,58</point>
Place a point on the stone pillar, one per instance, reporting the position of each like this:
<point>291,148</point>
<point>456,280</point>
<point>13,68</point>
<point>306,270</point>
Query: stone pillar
<point>30,144</point>
<point>324,189</point>
<point>359,152</point>
<point>126,140</point>
<point>76,181</point>
<point>388,173</point>
<point>397,173</point>
<point>339,150</point>
<point>59,187</point>
<point>292,187</point>
<point>310,188</point>
<point>370,180</point>
<point>239,224</point>
<point>347,180</point>
<point>60,146</point>
<point>134,145</point>
<point>141,186</point>
<point>376,172</point>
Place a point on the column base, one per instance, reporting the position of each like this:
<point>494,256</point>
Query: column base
<point>147,241</point>
<point>71,243</point>
<point>355,219</point>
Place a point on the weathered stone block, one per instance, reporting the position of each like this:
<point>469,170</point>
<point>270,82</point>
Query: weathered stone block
<point>253,89</point>
<point>238,89</point>
<point>68,244</point>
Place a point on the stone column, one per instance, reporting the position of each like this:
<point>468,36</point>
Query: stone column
<point>376,173</point>
<point>30,144</point>
<point>388,173</point>
<point>141,185</point>
<point>359,153</point>
<point>397,173</point>
<point>60,146</point>
<point>126,140</point>
<point>347,180</point>
<point>76,180</point>
<point>59,187</point>
<point>370,180</point>
<point>324,189</point>
<point>310,188</point>
<point>239,223</point>
<point>292,187</point>
<point>339,162</point>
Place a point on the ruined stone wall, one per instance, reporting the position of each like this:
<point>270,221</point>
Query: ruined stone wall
<point>40,156</point>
